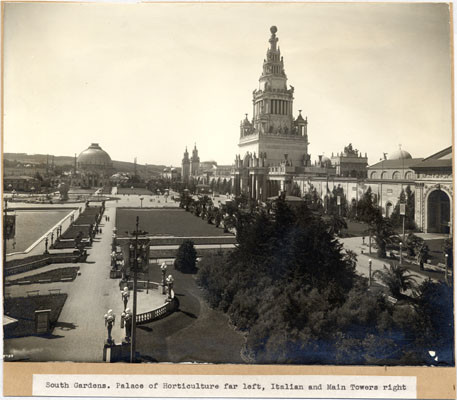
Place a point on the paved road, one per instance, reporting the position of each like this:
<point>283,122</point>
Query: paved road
<point>356,244</point>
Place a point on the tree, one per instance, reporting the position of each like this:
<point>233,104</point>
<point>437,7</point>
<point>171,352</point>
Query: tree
<point>407,198</point>
<point>186,257</point>
<point>413,244</point>
<point>447,248</point>
<point>397,279</point>
<point>335,223</point>
<point>433,305</point>
<point>367,210</point>
<point>383,232</point>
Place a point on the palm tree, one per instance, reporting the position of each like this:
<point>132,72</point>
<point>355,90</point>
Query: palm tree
<point>383,232</point>
<point>335,224</point>
<point>397,279</point>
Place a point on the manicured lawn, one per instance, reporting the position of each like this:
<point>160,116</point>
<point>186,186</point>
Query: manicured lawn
<point>134,191</point>
<point>354,229</point>
<point>23,309</point>
<point>436,254</point>
<point>31,225</point>
<point>169,222</point>
<point>194,333</point>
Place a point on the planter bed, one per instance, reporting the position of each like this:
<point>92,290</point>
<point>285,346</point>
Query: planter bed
<point>74,230</point>
<point>23,309</point>
<point>56,275</point>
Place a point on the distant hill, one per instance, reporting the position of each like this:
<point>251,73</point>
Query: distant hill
<point>120,166</point>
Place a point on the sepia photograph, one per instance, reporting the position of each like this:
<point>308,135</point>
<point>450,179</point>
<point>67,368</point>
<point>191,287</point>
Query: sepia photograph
<point>228,183</point>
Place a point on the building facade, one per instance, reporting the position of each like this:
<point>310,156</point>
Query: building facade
<point>93,168</point>
<point>273,145</point>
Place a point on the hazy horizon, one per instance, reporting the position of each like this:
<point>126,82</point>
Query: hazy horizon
<point>145,80</point>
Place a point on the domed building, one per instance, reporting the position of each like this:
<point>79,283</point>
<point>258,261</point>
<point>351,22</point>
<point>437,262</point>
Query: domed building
<point>94,166</point>
<point>399,155</point>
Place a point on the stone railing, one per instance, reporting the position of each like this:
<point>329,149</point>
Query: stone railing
<point>158,313</point>
<point>31,265</point>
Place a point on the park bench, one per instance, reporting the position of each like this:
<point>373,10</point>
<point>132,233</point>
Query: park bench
<point>54,291</point>
<point>31,293</point>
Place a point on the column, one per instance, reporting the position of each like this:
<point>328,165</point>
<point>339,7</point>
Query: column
<point>257,188</point>
<point>253,189</point>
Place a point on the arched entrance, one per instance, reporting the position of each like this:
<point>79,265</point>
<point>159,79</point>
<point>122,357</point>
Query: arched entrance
<point>438,212</point>
<point>389,209</point>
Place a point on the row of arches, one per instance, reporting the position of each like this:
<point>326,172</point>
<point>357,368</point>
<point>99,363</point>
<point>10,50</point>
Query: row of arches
<point>395,175</point>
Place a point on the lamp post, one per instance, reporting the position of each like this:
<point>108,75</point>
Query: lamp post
<point>170,281</point>
<point>369,272</point>
<point>446,258</point>
<point>110,318</point>
<point>141,200</point>
<point>127,322</point>
<point>125,296</point>
<point>4,245</point>
<point>135,277</point>
<point>401,253</point>
<point>163,268</point>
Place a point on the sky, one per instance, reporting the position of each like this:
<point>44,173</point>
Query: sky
<point>145,80</point>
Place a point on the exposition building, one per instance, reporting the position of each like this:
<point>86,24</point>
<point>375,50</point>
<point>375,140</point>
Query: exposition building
<point>93,168</point>
<point>273,158</point>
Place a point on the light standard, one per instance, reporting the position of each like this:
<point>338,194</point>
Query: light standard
<point>369,272</point>
<point>401,253</point>
<point>110,318</point>
<point>127,322</point>
<point>170,281</point>
<point>446,258</point>
<point>141,199</point>
<point>4,244</point>
<point>163,268</point>
<point>125,297</point>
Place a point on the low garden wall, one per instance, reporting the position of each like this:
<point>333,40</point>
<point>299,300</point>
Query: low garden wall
<point>158,313</point>
<point>30,263</point>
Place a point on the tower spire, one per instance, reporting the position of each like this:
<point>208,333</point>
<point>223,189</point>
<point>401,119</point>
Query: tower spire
<point>273,39</point>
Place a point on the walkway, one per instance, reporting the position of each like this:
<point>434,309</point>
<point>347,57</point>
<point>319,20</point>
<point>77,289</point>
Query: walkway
<point>356,245</point>
<point>80,331</point>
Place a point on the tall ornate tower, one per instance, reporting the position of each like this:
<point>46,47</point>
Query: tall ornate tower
<point>194,162</point>
<point>273,129</point>
<point>273,146</point>
<point>185,166</point>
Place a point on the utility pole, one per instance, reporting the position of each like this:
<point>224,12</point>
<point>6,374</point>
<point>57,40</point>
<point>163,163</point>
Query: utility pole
<point>135,271</point>
<point>4,246</point>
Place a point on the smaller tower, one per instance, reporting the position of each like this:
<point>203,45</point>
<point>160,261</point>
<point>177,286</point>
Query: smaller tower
<point>185,166</point>
<point>194,162</point>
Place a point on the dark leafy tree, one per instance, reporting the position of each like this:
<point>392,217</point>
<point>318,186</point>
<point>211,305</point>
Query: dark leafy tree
<point>448,250</point>
<point>383,232</point>
<point>407,198</point>
<point>397,278</point>
<point>186,257</point>
<point>367,210</point>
